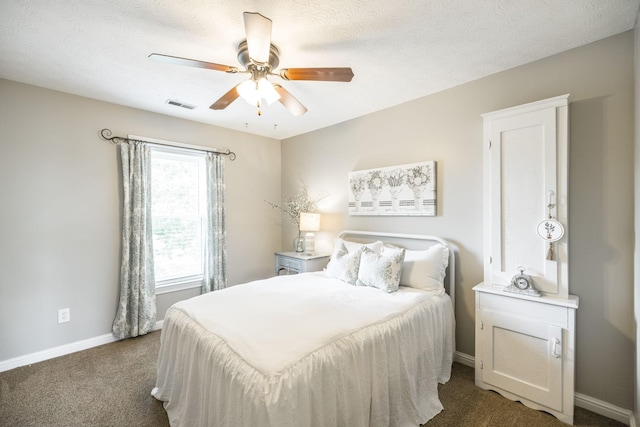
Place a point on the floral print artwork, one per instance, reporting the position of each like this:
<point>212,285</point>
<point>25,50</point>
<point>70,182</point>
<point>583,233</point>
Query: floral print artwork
<point>408,190</point>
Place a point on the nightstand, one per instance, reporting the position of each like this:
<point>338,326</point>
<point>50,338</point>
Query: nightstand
<point>295,262</point>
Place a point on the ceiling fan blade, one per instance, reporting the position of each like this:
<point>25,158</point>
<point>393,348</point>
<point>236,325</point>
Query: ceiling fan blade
<point>226,99</point>
<point>192,63</point>
<point>258,30</point>
<point>294,106</point>
<point>320,74</point>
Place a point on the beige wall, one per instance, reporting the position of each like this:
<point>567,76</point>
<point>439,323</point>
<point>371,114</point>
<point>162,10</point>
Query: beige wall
<point>60,208</point>
<point>447,127</point>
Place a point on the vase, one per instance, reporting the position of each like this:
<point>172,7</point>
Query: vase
<point>298,243</point>
<point>358,202</point>
<point>417,198</point>
<point>375,205</point>
<point>418,202</point>
<point>395,197</point>
<point>395,204</point>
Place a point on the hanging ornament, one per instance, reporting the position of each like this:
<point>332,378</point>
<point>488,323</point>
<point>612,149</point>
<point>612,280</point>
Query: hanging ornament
<point>550,229</point>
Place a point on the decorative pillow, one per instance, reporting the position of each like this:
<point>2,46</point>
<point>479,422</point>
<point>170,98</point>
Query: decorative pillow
<point>354,246</point>
<point>425,269</point>
<point>381,271</point>
<point>343,264</point>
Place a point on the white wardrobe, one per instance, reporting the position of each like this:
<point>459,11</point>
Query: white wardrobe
<point>525,338</point>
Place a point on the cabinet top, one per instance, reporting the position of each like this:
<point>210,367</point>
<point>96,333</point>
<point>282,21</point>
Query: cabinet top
<point>570,302</point>
<point>301,255</point>
<point>557,101</point>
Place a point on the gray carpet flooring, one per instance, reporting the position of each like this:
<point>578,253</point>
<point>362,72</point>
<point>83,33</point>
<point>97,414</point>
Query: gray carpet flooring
<point>110,386</point>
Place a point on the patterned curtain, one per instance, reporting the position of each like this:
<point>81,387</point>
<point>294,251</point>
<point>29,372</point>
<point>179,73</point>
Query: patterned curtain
<point>136,313</point>
<point>215,259</point>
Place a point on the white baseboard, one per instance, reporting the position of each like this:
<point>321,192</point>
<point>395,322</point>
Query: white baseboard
<point>464,359</point>
<point>50,353</point>
<point>624,416</point>
<point>62,350</point>
<point>597,406</point>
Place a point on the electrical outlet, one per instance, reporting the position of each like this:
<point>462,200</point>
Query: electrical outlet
<point>64,315</point>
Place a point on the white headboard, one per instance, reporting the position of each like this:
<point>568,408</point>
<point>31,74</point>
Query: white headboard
<point>410,241</point>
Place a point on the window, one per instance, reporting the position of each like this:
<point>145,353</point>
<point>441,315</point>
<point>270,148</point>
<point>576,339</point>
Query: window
<point>178,203</point>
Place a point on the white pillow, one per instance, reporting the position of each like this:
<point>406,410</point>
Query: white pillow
<point>381,271</point>
<point>354,246</point>
<point>343,264</point>
<point>425,269</point>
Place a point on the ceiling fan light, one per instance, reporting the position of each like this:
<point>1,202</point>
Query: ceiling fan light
<point>267,91</point>
<point>248,90</point>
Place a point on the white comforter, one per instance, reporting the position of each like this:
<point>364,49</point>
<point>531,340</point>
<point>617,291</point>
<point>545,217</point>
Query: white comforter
<point>305,350</point>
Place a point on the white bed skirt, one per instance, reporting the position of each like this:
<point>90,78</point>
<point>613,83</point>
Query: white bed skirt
<point>376,376</point>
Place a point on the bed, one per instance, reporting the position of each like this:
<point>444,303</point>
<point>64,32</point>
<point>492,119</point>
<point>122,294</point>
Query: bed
<point>313,349</point>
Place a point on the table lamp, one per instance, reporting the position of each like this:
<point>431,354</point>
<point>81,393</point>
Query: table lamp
<point>309,222</point>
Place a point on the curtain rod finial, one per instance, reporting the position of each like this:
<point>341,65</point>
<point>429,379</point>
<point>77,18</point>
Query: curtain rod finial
<point>106,135</point>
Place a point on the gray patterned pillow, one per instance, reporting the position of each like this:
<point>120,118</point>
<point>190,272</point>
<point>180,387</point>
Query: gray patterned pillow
<point>381,271</point>
<point>343,264</point>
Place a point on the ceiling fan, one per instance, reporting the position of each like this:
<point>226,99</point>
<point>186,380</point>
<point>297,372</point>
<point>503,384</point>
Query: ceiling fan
<point>260,58</point>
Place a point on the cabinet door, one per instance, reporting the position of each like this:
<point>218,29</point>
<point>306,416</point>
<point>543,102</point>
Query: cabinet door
<point>523,356</point>
<point>525,171</point>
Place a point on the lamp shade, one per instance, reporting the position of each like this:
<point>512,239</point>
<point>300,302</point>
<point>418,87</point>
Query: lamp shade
<point>309,221</point>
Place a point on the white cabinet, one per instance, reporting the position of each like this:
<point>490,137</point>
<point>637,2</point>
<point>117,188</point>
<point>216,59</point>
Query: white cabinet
<point>525,345</point>
<point>525,349</point>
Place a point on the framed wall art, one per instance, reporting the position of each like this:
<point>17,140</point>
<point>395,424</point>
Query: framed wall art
<point>406,190</point>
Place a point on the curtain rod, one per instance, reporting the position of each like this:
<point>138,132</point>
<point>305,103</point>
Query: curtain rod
<point>106,135</point>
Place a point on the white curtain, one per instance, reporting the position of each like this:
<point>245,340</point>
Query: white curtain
<point>215,259</point>
<point>136,313</point>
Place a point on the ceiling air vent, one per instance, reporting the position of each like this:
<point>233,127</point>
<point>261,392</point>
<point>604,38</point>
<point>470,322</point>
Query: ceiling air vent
<point>180,104</point>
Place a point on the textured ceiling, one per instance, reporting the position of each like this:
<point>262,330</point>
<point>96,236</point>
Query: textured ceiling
<point>398,50</point>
